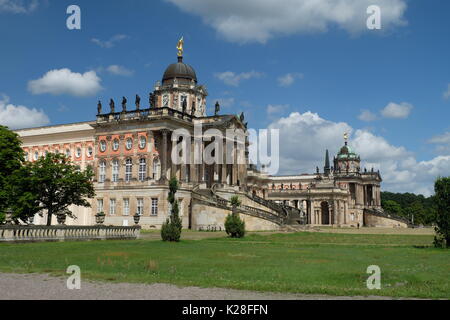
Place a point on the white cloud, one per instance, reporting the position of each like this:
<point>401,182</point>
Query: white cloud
<point>17,117</point>
<point>305,137</point>
<point>397,111</point>
<point>119,70</point>
<point>232,79</point>
<point>276,109</point>
<point>447,93</point>
<point>288,79</point>
<point>442,143</point>
<point>367,116</point>
<point>18,6</point>
<point>111,42</point>
<point>64,81</point>
<point>260,20</point>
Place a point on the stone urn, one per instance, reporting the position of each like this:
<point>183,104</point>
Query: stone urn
<point>61,218</point>
<point>137,218</point>
<point>100,218</point>
<point>8,216</point>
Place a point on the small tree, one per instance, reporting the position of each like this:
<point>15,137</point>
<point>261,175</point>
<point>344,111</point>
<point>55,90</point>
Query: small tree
<point>53,184</point>
<point>234,226</point>
<point>442,190</point>
<point>171,229</point>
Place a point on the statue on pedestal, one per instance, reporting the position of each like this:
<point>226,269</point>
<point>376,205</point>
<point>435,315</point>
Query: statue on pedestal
<point>112,105</point>
<point>99,107</point>
<point>138,102</point>
<point>124,104</point>
<point>217,108</point>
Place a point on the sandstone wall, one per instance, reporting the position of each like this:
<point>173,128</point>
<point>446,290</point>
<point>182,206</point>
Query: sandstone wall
<point>204,216</point>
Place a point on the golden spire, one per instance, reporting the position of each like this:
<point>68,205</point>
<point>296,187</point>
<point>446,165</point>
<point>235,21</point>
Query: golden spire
<point>180,47</point>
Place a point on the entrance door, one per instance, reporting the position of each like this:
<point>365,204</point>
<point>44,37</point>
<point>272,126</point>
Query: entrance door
<point>325,213</point>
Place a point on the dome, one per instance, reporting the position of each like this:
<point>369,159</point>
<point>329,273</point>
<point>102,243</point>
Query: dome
<point>181,71</point>
<point>346,152</point>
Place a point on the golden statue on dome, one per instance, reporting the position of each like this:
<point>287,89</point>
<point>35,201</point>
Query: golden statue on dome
<point>346,137</point>
<point>180,47</point>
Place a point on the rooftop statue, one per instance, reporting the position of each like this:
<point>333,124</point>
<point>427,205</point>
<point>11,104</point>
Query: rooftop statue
<point>152,100</point>
<point>138,102</point>
<point>124,104</point>
<point>217,109</point>
<point>180,47</point>
<point>112,105</point>
<point>99,107</point>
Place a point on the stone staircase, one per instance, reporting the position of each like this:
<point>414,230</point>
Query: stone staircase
<point>275,213</point>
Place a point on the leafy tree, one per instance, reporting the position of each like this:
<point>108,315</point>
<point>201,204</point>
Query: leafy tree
<point>409,205</point>
<point>11,158</point>
<point>53,184</point>
<point>171,229</point>
<point>442,190</point>
<point>392,207</point>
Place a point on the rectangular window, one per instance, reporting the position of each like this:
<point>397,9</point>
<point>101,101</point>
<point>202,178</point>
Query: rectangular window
<point>140,206</point>
<point>126,207</point>
<point>99,205</point>
<point>112,207</point>
<point>115,171</point>
<point>154,207</point>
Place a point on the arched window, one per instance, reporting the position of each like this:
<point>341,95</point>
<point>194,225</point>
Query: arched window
<point>128,170</point>
<point>156,169</point>
<point>115,171</point>
<point>142,169</point>
<point>102,172</point>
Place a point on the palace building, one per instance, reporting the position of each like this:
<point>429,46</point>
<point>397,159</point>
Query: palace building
<point>130,151</point>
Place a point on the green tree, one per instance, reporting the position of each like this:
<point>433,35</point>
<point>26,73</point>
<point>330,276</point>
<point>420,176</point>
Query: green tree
<point>171,229</point>
<point>442,196</point>
<point>234,226</point>
<point>11,159</point>
<point>53,184</point>
<point>393,207</point>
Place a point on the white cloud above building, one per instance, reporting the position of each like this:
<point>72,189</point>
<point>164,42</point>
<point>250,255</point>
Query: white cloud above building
<point>289,79</point>
<point>261,20</point>
<point>305,137</point>
<point>108,44</point>
<point>119,70</point>
<point>64,81</point>
<point>18,116</point>
<point>397,110</point>
<point>234,79</point>
<point>367,116</point>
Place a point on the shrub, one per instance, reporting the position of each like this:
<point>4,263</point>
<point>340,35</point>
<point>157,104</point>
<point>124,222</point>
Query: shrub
<point>171,229</point>
<point>234,226</point>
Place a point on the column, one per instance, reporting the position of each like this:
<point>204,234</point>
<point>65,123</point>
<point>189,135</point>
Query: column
<point>164,157</point>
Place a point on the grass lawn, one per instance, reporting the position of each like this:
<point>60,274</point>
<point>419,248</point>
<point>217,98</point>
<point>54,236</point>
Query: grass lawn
<point>319,263</point>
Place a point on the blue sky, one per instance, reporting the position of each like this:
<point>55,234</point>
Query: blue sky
<point>310,75</point>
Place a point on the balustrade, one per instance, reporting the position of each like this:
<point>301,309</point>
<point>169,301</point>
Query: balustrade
<point>66,233</point>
